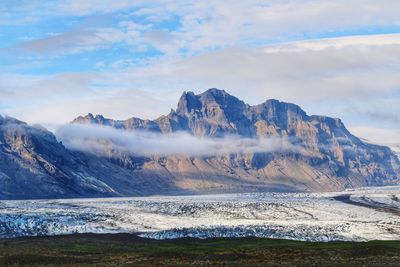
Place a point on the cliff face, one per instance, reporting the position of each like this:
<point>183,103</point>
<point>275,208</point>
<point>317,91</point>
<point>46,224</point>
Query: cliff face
<point>331,158</point>
<point>33,164</point>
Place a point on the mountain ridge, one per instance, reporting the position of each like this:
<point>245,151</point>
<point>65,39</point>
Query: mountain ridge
<point>189,104</point>
<point>215,113</point>
<point>34,164</point>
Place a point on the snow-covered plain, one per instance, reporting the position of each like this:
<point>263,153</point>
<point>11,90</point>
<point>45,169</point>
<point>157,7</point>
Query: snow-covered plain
<point>358,215</point>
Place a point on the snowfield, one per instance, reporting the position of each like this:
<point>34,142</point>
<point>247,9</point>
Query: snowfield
<point>353,215</point>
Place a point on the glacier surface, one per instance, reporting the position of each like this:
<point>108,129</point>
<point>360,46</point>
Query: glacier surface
<point>354,215</point>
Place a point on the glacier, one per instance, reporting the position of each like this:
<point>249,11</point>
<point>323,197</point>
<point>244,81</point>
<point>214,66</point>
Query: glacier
<point>354,215</point>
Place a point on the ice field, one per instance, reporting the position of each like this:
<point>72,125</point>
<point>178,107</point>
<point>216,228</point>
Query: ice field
<point>353,215</point>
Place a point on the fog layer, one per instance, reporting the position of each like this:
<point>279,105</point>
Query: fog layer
<point>98,139</point>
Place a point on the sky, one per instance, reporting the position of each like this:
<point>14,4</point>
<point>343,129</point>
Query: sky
<point>120,58</point>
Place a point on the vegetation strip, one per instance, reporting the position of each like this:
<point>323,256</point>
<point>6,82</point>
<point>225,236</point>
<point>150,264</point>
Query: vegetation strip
<point>131,250</point>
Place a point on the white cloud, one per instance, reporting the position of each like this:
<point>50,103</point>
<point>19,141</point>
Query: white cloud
<point>120,104</point>
<point>339,68</point>
<point>72,42</point>
<point>89,7</point>
<point>337,43</point>
<point>34,89</point>
<point>214,24</point>
<point>103,139</point>
<point>354,74</point>
<point>388,137</point>
<point>209,25</point>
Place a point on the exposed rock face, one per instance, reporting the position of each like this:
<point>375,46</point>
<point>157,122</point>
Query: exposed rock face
<point>332,157</point>
<point>34,165</point>
<point>26,168</point>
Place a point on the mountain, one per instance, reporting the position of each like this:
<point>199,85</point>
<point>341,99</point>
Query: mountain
<point>33,164</point>
<point>333,159</point>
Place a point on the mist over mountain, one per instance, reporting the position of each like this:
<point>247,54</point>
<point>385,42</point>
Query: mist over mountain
<point>97,139</point>
<point>213,142</point>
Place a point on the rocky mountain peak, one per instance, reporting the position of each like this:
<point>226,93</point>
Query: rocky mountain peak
<point>187,103</point>
<point>92,119</point>
<point>190,102</point>
<point>214,94</point>
<point>274,109</point>
<point>10,120</point>
<point>211,103</point>
<point>219,97</point>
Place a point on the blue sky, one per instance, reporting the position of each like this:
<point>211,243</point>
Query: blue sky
<point>61,59</point>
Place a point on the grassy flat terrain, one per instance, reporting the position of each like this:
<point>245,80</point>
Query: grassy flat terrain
<point>130,250</point>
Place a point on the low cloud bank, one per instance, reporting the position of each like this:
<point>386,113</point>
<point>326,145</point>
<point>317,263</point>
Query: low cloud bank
<point>99,139</point>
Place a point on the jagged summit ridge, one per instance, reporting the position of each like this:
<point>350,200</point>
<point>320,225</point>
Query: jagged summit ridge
<point>198,113</point>
<point>216,113</point>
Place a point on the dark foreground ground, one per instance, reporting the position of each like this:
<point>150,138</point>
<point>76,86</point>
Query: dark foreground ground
<point>130,250</point>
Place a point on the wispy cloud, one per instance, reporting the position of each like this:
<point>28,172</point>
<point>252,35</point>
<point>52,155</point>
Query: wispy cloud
<point>336,43</point>
<point>388,137</point>
<point>212,25</point>
<point>75,41</point>
<point>382,115</point>
<point>103,140</point>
